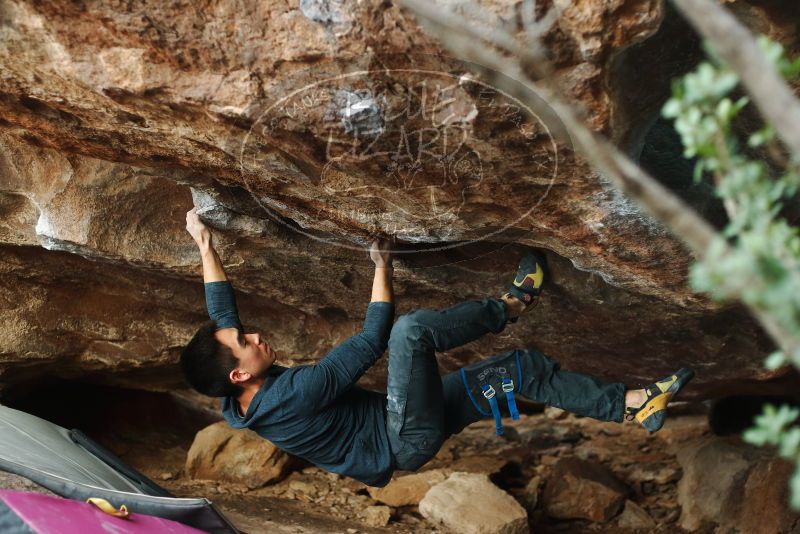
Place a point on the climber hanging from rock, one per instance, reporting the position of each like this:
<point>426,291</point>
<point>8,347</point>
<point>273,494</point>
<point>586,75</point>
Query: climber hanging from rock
<point>317,413</point>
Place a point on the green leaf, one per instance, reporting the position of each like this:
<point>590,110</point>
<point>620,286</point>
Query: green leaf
<point>672,108</point>
<point>756,436</point>
<point>724,108</point>
<point>775,360</point>
<point>790,443</point>
<point>741,103</point>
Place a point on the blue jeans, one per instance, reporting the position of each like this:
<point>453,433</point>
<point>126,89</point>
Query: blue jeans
<point>424,409</point>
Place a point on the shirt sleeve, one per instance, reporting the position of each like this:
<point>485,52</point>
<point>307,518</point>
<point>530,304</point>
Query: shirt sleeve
<point>341,368</point>
<point>221,304</point>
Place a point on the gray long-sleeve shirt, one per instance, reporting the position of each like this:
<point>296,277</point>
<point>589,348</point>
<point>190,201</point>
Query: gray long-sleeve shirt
<point>315,411</point>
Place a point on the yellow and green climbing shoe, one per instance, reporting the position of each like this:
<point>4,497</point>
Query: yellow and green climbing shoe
<point>530,277</point>
<point>653,412</point>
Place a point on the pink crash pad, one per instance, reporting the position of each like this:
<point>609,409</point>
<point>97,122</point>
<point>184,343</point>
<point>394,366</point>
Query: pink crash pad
<point>48,515</point>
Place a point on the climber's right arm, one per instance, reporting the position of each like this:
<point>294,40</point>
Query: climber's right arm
<point>212,266</point>
<point>220,299</point>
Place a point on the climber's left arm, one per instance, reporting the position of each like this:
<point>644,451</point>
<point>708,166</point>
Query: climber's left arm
<point>341,368</point>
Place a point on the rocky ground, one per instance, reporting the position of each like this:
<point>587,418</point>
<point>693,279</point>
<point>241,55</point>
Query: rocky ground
<point>534,449</point>
<point>550,472</point>
<point>569,475</point>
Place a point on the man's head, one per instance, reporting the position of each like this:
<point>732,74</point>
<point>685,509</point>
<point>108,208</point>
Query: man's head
<point>221,362</point>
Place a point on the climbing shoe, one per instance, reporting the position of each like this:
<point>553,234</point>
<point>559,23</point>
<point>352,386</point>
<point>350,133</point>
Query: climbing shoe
<point>530,277</point>
<point>653,412</point>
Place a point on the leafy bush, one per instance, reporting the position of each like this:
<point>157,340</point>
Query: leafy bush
<point>761,266</point>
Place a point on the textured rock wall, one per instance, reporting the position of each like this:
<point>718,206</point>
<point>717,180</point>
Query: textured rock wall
<point>116,117</point>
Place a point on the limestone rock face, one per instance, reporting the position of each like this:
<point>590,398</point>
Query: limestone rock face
<point>220,452</point>
<point>303,128</point>
<point>471,504</point>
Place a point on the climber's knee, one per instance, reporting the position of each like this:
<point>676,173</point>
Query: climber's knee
<point>402,326</point>
<point>410,455</point>
<point>409,328</point>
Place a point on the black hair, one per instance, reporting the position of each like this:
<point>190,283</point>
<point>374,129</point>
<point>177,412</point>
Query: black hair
<point>206,364</point>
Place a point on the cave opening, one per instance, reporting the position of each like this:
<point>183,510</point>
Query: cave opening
<point>734,414</point>
<point>642,76</point>
<point>151,431</point>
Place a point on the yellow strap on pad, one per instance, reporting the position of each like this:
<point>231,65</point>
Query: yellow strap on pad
<point>108,508</point>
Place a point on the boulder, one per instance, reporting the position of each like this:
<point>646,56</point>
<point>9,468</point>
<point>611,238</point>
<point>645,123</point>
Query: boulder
<point>634,517</point>
<point>220,452</point>
<point>765,508</point>
<point>531,495</point>
<point>481,464</point>
<point>735,486</point>
<point>714,474</point>
<point>409,489</point>
<point>376,516</point>
<point>469,503</point>
<point>579,489</point>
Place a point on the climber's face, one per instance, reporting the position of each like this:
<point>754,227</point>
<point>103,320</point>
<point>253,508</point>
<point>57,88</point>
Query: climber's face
<point>254,355</point>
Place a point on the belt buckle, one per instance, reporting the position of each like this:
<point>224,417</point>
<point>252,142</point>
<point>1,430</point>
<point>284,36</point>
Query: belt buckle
<point>508,386</point>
